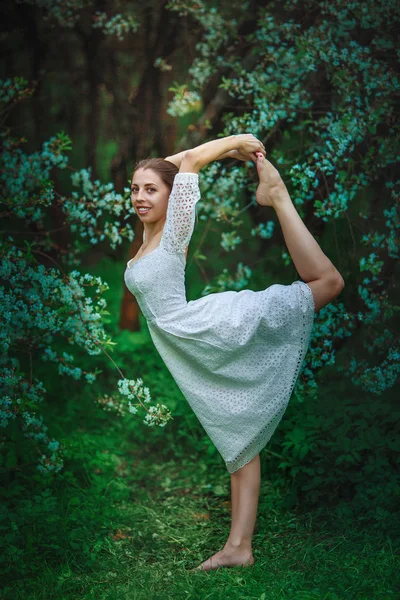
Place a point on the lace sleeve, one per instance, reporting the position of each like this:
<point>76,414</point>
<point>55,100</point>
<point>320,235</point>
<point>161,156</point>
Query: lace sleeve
<point>181,212</point>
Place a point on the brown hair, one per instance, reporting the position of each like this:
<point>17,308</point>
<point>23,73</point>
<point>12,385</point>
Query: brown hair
<point>165,170</point>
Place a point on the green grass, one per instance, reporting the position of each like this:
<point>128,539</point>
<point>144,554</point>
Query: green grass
<point>131,523</point>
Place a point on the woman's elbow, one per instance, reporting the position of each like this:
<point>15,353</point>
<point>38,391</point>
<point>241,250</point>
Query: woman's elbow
<point>190,162</point>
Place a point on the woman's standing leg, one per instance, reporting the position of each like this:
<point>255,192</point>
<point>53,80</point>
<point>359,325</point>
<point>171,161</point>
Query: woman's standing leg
<point>245,485</point>
<point>245,491</point>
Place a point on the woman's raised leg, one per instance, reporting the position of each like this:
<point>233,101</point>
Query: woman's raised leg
<point>245,491</point>
<point>313,266</point>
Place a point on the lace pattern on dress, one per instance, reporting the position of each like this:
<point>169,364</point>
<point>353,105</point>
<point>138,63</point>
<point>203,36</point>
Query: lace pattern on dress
<point>181,212</point>
<point>257,444</point>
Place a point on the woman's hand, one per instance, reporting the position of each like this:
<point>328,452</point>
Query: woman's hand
<point>247,147</point>
<point>239,155</point>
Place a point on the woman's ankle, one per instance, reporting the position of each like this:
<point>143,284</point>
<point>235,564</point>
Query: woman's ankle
<point>238,544</point>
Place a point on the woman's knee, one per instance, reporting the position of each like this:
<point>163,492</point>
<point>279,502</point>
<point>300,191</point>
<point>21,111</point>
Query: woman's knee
<point>250,465</point>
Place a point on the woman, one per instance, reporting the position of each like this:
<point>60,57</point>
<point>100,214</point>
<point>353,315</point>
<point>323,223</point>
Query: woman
<point>235,356</point>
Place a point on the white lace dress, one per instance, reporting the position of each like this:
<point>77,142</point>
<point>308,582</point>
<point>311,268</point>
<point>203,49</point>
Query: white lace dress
<point>235,356</point>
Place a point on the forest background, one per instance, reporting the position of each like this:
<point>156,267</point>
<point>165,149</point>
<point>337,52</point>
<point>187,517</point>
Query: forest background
<point>111,488</point>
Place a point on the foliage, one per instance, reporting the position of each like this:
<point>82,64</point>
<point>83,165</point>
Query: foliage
<point>325,73</point>
<point>67,13</point>
<point>42,305</point>
<point>184,101</point>
<point>341,455</point>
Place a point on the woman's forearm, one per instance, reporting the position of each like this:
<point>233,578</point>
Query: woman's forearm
<point>213,150</point>
<point>176,159</point>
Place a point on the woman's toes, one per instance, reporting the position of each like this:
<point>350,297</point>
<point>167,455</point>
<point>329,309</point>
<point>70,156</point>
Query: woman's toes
<point>260,163</point>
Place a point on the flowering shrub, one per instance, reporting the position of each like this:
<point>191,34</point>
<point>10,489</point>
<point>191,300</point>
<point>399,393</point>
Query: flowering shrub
<point>183,102</point>
<point>67,13</point>
<point>41,305</point>
<point>321,90</point>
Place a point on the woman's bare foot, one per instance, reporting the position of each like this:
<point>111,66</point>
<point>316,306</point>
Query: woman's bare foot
<point>271,189</point>
<point>228,557</point>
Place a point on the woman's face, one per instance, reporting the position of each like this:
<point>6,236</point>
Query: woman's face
<point>148,190</point>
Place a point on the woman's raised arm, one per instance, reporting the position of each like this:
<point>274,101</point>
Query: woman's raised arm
<point>176,159</point>
<point>241,147</point>
<point>246,144</point>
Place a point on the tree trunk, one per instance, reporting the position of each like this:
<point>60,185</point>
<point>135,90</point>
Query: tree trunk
<point>91,46</point>
<point>148,132</point>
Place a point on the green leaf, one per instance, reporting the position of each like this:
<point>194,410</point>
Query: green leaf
<point>303,451</point>
<point>11,459</point>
